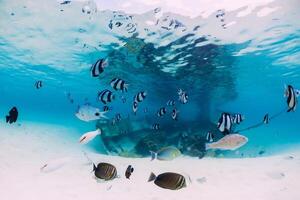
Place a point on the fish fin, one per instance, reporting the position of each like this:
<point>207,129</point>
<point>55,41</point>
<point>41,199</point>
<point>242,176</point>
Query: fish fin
<point>153,155</point>
<point>289,110</point>
<point>152,177</point>
<point>94,167</point>
<point>207,146</point>
<point>7,119</point>
<point>102,115</point>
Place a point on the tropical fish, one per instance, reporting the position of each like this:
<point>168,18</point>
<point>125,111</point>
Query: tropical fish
<point>129,171</point>
<point>89,113</point>
<point>166,154</point>
<point>65,2</point>
<point>175,114</point>
<point>228,142</point>
<point>105,171</point>
<point>12,115</point>
<point>135,107</point>
<point>291,98</point>
<point>98,67</point>
<point>156,126</point>
<point>209,137</point>
<point>106,108</point>
<point>183,97</point>
<point>171,103</point>
<point>161,112</point>
<point>118,117</point>
<point>38,84</point>
<point>87,137</point>
<point>119,84</point>
<point>168,180</point>
<point>225,123</point>
<point>140,96</point>
<point>237,118</point>
<point>106,96</point>
<point>55,164</point>
<point>266,119</point>
<point>123,99</point>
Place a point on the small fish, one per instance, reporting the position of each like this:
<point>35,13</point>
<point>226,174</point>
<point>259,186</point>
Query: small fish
<point>175,114</point>
<point>118,117</point>
<point>98,67</point>
<point>168,180</point>
<point>69,96</point>
<point>135,107</point>
<point>105,171</point>
<point>106,108</point>
<point>38,84</point>
<point>183,97</point>
<point>228,142</point>
<point>266,119</point>
<point>237,118</point>
<point>123,99</point>
<point>55,164</point>
<point>156,126</point>
<point>12,115</point>
<point>65,2</point>
<point>88,113</point>
<point>166,154</point>
<point>209,137</point>
<point>225,123</point>
<point>106,96</point>
<point>119,84</point>
<point>87,137</point>
<point>161,112</point>
<point>291,98</point>
<point>140,96</point>
<point>171,103</point>
<point>129,171</point>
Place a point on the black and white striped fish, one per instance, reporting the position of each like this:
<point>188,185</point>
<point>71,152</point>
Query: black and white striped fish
<point>98,67</point>
<point>38,84</point>
<point>161,112</point>
<point>183,97</point>
<point>118,117</point>
<point>225,123</point>
<point>156,126</point>
<point>209,137</point>
<point>119,84</point>
<point>237,118</point>
<point>106,108</point>
<point>171,103</point>
<point>140,96</point>
<point>106,96</point>
<point>135,107</point>
<point>266,119</point>
<point>175,114</point>
<point>291,98</point>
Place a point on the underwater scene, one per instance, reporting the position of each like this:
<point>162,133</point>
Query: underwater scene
<point>149,99</point>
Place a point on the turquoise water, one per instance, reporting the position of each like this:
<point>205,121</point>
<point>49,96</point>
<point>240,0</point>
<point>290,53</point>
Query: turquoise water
<point>241,68</point>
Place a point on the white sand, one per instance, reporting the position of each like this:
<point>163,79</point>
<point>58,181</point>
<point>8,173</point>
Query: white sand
<point>23,150</point>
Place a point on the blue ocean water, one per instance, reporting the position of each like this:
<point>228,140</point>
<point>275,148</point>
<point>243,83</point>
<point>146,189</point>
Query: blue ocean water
<point>230,63</point>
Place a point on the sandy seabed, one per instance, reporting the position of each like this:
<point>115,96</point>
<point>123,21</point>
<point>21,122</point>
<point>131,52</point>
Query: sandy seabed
<point>25,149</point>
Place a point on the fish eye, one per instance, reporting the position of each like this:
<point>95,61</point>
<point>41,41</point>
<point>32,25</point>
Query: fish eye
<point>97,114</point>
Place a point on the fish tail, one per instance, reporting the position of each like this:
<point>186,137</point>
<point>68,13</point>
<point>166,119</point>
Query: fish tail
<point>102,114</point>
<point>7,119</point>
<point>94,167</point>
<point>153,155</point>
<point>289,110</point>
<point>152,177</point>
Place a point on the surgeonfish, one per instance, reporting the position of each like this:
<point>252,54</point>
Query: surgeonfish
<point>183,97</point>
<point>129,171</point>
<point>38,84</point>
<point>105,171</point>
<point>161,112</point>
<point>156,126</point>
<point>12,115</point>
<point>89,113</point>
<point>228,142</point>
<point>291,98</point>
<point>175,114</point>
<point>237,118</point>
<point>139,97</point>
<point>106,96</point>
<point>171,103</point>
<point>119,84</point>
<point>98,67</point>
<point>55,164</point>
<point>225,123</point>
<point>168,180</point>
<point>266,119</point>
<point>166,154</point>
<point>135,107</point>
<point>209,137</point>
<point>87,137</point>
